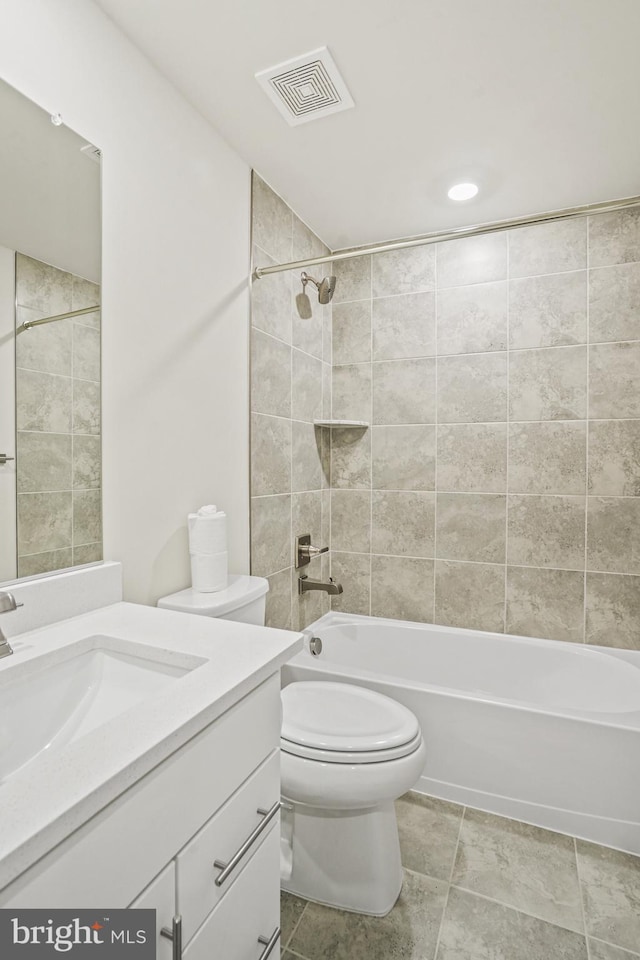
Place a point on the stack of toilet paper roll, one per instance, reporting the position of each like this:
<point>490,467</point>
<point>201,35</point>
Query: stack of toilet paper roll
<point>208,549</point>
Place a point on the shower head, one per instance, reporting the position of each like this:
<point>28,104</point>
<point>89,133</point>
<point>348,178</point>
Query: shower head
<point>325,287</point>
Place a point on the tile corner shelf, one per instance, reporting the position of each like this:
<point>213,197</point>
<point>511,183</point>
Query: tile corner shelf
<point>340,423</point>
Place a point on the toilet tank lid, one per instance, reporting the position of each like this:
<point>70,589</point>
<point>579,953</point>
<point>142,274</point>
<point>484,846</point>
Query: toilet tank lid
<point>241,590</point>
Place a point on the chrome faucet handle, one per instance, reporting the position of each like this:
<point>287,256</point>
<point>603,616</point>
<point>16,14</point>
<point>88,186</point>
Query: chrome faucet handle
<point>309,551</point>
<point>305,551</point>
<point>8,602</point>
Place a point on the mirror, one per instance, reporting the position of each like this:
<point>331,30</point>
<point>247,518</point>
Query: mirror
<point>50,440</point>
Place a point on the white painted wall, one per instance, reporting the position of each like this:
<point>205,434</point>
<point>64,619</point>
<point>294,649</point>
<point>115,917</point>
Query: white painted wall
<point>175,292</point>
<point>7,414</point>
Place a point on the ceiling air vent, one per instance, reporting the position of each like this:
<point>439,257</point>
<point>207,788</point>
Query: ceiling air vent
<point>306,88</point>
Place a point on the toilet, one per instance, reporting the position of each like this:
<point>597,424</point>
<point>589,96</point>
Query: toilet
<point>243,600</point>
<point>347,753</point>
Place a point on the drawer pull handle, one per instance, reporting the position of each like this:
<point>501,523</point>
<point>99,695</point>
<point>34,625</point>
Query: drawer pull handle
<point>270,943</point>
<point>228,867</point>
<point>176,936</point>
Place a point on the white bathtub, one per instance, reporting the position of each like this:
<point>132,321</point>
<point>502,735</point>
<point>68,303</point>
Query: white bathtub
<point>538,730</point>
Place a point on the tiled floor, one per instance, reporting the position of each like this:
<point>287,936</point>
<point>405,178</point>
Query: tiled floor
<point>479,887</point>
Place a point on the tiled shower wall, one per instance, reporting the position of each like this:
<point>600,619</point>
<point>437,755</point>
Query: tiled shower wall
<point>499,484</point>
<point>58,421</point>
<point>290,387</point>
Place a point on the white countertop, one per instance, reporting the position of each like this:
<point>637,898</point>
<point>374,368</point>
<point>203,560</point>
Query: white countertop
<point>59,791</point>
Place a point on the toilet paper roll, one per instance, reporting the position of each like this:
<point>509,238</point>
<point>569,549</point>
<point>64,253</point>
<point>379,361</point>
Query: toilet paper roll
<point>209,573</point>
<point>207,532</point>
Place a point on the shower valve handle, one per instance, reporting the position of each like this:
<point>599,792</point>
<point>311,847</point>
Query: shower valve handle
<point>307,550</point>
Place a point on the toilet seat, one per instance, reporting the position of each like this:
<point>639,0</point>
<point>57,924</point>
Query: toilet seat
<point>343,723</point>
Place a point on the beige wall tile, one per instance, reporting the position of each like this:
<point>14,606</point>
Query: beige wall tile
<point>403,271</point>
<point>36,563</point>
<point>404,391</point>
<point>548,384</point>
<point>403,457</point>
<point>351,331</point>
<point>85,293</point>
<point>327,333</point>
<point>306,457</point>
<point>353,571</point>
<point>270,455</point>
<point>271,299</point>
<point>270,535</point>
<point>87,463</point>
<point>471,526</point>
<point>614,298</point>
<point>403,523</point>
<point>270,375</point>
<point>472,260</point>
<point>46,348</point>
<point>353,279</point>
<point>613,534</point>
<point>614,458</point>
<point>351,521</point>
<point>351,458</point>
<point>42,286</point>
<point>548,311</point>
<point>470,595</point>
<point>43,402</point>
<point>548,457</point>
<point>614,385</point>
<point>86,352</point>
<point>326,390</point>
<point>44,522</point>
<point>402,588</point>
<point>272,221</point>
<point>472,388</point>
<point>548,248</point>
<point>614,237</point>
<point>545,603</point>
<point>278,606</point>
<point>404,326</point>
<point>613,610</point>
<point>306,387</point>
<point>87,553</point>
<point>306,517</point>
<point>351,392</point>
<point>472,319</point>
<point>472,457</point>
<point>87,516</point>
<point>546,531</point>
<point>44,462</point>
<point>307,244</point>
<point>86,407</point>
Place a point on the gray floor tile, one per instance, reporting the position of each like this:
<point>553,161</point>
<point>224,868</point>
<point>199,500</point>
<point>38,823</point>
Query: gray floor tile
<point>524,867</point>
<point>611,891</point>
<point>477,929</point>
<point>606,951</point>
<point>428,830</point>
<point>291,909</point>
<point>408,932</point>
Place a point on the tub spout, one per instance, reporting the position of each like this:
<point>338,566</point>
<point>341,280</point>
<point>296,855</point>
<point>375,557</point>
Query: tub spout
<point>329,586</point>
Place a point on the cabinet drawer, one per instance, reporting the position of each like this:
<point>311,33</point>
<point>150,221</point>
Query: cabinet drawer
<point>160,896</point>
<point>219,840</point>
<point>251,909</point>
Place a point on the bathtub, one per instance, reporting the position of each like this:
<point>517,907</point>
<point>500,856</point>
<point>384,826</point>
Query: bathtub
<point>537,730</point>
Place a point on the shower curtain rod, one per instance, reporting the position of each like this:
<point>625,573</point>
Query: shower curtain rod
<point>59,316</point>
<point>570,213</point>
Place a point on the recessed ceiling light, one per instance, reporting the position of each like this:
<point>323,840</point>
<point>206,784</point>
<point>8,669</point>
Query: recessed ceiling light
<point>462,191</point>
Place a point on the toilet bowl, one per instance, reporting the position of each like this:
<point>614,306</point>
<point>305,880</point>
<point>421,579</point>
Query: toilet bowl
<point>347,753</point>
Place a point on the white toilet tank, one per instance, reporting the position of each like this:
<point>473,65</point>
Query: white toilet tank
<point>243,600</point>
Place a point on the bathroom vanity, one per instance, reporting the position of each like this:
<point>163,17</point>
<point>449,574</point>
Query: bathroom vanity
<point>170,802</point>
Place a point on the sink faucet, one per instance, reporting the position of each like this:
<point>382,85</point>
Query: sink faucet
<point>329,586</point>
<point>7,602</point>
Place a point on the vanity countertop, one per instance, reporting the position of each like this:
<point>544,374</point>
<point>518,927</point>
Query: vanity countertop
<point>60,790</point>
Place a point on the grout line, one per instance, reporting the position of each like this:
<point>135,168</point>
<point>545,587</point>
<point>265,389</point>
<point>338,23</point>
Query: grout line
<point>508,431</point>
<point>582,910</point>
<point>510,906</point>
<point>296,924</point>
<point>450,883</point>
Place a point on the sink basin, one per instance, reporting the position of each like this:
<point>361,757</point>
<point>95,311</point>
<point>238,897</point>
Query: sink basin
<point>52,700</point>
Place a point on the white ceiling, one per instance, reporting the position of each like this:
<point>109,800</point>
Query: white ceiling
<point>535,100</point>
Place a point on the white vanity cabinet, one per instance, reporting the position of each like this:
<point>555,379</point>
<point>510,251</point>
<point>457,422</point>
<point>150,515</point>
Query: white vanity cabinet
<point>197,839</point>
